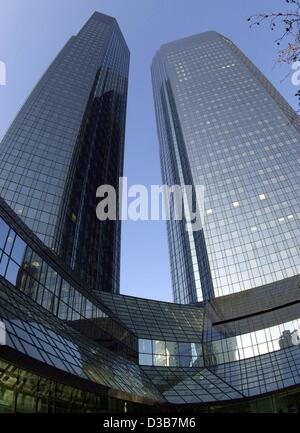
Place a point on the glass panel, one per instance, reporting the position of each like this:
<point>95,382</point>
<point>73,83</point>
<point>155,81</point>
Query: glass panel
<point>9,242</point>
<point>160,360</point>
<point>196,349</point>
<point>18,250</point>
<point>3,264</point>
<point>88,309</point>
<point>145,359</point>
<point>184,349</point>
<point>3,233</point>
<point>261,336</point>
<point>185,361</point>
<point>12,272</point>
<point>172,361</point>
<point>246,340</point>
<point>63,310</point>
<point>171,348</point>
<point>26,402</point>
<point>159,347</point>
<point>65,291</point>
<point>145,346</point>
<point>6,399</point>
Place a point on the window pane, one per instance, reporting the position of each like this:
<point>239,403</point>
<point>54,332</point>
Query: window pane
<point>171,348</point>
<point>3,264</point>
<point>3,233</point>
<point>10,242</point>
<point>159,347</point>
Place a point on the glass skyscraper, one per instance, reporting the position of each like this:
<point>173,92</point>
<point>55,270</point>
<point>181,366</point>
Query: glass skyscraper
<point>67,139</point>
<point>223,125</point>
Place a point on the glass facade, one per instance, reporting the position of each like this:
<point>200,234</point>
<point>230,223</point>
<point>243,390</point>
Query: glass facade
<point>66,140</point>
<point>147,354</point>
<point>67,348</point>
<point>25,392</point>
<point>221,124</point>
<point>95,347</point>
<point>170,353</point>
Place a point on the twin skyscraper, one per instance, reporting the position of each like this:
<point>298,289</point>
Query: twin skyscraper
<point>220,124</point>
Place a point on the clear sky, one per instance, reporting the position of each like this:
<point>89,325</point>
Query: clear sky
<point>33,31</point>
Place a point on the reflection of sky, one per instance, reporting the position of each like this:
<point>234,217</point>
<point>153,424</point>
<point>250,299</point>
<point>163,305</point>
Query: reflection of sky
<point>85,359</point>
<point>54,347</point>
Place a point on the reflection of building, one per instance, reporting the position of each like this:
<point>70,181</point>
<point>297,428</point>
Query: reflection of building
<point>221,124</point>
<point>170,353</point>
<point>71,141</point>
<point>84,344</point>
<point>28,275</point>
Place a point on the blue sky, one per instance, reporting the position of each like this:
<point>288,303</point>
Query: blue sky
<point>33,31</point>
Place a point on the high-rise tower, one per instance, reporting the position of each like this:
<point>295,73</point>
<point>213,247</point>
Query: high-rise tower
<point>223,125</point>
<point>67,139</point>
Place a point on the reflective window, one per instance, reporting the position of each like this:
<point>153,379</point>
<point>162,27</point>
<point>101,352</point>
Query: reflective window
<point>170,353</point>
<point>3,233</point>
<point>29,273</point>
